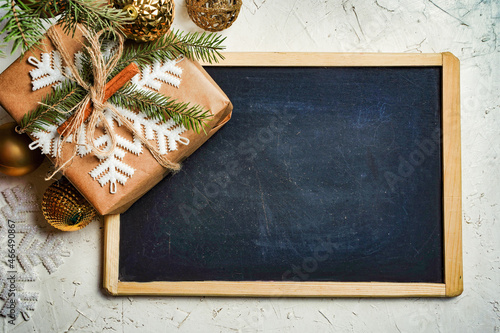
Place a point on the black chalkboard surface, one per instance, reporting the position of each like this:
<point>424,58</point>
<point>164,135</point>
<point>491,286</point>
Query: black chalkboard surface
<point>324,174</point>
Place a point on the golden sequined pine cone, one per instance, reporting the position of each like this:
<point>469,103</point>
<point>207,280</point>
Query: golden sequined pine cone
<point>152,18</point>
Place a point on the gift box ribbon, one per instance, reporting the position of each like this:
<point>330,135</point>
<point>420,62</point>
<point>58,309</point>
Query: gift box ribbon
<point>94,104</point>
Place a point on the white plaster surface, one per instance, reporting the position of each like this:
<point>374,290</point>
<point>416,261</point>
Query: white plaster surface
<point>71,299</point>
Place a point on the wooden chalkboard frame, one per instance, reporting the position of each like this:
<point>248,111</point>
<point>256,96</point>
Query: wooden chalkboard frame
<point>452,198</point>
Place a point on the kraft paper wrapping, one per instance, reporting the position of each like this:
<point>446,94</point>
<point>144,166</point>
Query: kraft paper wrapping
<point>197,87</point>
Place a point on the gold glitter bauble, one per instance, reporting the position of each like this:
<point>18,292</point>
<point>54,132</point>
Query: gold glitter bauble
<point>152,18</point>
<point>213,15</point>
<point>65,208</point>
<point>16,158</point>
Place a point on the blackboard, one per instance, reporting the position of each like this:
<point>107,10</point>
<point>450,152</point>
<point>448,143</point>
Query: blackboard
<point>325,175</point>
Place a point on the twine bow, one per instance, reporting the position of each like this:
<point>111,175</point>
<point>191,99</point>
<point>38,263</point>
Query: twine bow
<point>96,95</point>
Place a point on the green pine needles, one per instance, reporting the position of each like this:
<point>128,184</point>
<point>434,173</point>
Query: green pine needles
<point>194,46</point>
<point>54,108</point>
<point>25,20</point>
<point>160,107</point>
<point>23,27</point>
<point>59,105</point>
<point>93,14</point>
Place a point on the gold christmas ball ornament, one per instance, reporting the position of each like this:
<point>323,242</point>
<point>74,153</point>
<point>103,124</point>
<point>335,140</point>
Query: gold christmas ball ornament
<point>65,208</point>
<point>16,158</point>
<point>213,15</point>
<point>152,18</point>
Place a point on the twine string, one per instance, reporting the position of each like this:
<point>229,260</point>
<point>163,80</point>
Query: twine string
<point>96,95</point>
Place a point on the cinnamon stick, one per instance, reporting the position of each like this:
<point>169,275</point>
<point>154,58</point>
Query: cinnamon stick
<point>111,87</point>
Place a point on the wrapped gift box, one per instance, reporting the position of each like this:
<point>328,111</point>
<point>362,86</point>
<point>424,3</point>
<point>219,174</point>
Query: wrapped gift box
<point>18,98</point>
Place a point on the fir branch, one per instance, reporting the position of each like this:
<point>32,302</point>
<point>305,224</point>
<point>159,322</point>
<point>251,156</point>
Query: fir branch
<point>22,27</point>
<point>160,107</point>
<point>45,8</point>
<point>195,46</point>
<point>54,107</point>
<point>25,19</point>
<point>86,72</point>
<point>93,14</point>
<point>205,46</point>
<point>15,15</point>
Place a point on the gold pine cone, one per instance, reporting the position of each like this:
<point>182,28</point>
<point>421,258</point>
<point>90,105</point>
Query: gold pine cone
<point>152,18</point>
<point>65,208</point>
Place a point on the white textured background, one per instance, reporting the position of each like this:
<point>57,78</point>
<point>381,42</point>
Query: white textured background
<point>72,299</point>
